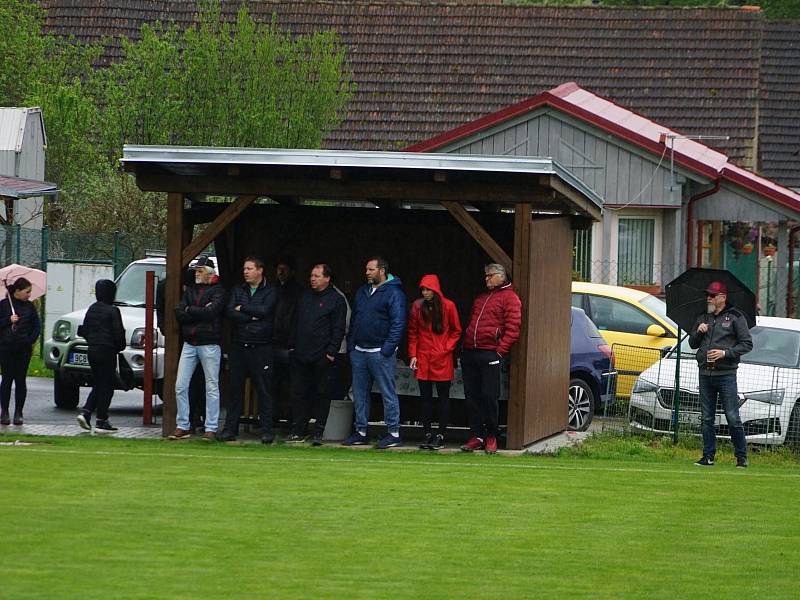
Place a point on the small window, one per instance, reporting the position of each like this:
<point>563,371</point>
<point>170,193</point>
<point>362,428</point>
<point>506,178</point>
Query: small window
<point>615,315</point>
<point>577,300</point>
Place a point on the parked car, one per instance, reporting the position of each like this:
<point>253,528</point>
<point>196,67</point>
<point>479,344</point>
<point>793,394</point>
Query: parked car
<point>632,322</point>
<point>768,380</point>
<point>66,353</point>
<point>591,371</point>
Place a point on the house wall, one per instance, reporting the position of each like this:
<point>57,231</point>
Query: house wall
<point>23,156</point>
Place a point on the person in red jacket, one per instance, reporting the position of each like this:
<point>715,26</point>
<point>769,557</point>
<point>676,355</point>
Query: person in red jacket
<point>493,328</point>
<point>433,332</point>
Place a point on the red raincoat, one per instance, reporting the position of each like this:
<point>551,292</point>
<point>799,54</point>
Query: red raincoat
<point>434,351</point>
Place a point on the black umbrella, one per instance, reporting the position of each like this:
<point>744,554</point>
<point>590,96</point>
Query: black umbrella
<point>686,297</point>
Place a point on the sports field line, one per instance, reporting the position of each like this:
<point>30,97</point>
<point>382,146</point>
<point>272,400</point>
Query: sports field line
<point>381,462</point>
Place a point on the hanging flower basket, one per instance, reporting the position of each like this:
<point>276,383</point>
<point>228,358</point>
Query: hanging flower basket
<point>770,250</point>
<point>747,248</point>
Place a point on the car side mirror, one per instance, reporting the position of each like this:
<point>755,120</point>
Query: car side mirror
<point>656,331</point>
<point>666,350</point>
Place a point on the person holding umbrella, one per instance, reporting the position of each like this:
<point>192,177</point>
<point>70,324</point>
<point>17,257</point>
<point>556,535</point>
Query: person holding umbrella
<point>720,336</point>
<point>19,329</point>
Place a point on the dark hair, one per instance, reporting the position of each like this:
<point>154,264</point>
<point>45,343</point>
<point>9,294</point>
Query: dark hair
<point>256,261</point>
<point>287,260</point>
<point>432,313</point>
<point>326,269</point>
<point>20,284</point>
<point>382,263</point>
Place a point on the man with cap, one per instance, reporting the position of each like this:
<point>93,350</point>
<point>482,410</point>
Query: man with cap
<point>199,314</point>
<point>721,336</point>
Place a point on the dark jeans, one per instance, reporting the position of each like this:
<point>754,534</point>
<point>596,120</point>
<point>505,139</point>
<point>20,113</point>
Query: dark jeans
<point>14,363</point>
<point>724,388</point>
<point>310,394</point>
<point>426,397</point>
<point>254,361</point>
<point>103,362</point>
<point>482,373</point>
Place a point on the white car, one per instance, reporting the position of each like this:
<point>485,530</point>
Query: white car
<point>768,381</point>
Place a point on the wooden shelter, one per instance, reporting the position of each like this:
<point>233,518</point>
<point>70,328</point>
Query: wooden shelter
<point>354,198</point>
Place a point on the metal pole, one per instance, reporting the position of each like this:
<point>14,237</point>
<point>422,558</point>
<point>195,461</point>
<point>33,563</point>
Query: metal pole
<point>676,394</point>
<point>115,257</point>
<point>45,251</point>
<point>147,409</point>
<point>18,236</point>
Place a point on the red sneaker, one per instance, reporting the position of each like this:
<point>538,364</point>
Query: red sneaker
<point>474,443</point>
<point>491,445</point>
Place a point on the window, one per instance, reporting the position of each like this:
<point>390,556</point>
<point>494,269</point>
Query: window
<point>615,315</point>
<point>635,251</point>
<point>577,300</point>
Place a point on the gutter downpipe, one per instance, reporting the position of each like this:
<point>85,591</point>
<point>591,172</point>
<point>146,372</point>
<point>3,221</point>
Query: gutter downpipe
<point>689,205</point>
<point>790,283</point>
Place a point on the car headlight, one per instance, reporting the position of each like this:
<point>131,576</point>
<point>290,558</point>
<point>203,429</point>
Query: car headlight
<point>62,331</point>
<point>767,396</point>
<point>642,386</point>
<point>137,339</point>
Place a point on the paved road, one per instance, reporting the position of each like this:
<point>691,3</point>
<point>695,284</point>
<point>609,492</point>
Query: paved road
<point>125,411</point>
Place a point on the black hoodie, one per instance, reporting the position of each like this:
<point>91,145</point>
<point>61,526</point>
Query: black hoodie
<point>102,325</point>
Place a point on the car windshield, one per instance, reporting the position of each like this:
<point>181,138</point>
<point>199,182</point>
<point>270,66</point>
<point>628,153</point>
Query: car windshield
<point>130,285</point>
<point>771,346</point>
<point>659,307</point>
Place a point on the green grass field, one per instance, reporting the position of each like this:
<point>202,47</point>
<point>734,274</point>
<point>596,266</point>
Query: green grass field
<point>104,518</point>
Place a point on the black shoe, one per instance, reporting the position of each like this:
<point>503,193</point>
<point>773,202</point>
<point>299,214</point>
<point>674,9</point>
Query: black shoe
<point>104,426</point>
<point>356,439</point>
<point>741,463</point>
<point>427,443</point>
<point>267,438</point>
<point>84,420</point>
<point>225,436</point>
<point>437,443</point>
<point>706,461</point>
<point>295,439</point>
<point>316,439</point>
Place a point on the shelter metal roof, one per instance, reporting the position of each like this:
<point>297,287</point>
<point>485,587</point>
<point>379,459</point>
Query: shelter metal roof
<point>205,161</point>
<point>17,187</point>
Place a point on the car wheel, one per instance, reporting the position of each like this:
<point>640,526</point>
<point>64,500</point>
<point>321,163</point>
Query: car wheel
<point>65,395</point>
<point>581,405</point>
<point>793,431</point>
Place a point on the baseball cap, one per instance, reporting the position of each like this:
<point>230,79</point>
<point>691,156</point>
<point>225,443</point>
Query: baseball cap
<point>716,288</point>
<point>203,261</point>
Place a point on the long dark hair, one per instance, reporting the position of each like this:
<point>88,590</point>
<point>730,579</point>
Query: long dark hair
<point>432,313</point>
<point>20,284</point>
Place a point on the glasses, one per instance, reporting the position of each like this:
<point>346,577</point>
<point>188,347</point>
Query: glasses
<point>489,275</point>
<point>712,295</point>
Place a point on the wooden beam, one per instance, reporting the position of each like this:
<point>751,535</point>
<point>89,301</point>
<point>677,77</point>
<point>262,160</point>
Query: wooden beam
<point>480,235</point>
<point>579,202</point>
<point>176,234</point>
<point>225,218</point>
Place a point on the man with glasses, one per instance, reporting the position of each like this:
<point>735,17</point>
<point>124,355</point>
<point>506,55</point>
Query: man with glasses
<point>493,328</point>
<point>721,336</point>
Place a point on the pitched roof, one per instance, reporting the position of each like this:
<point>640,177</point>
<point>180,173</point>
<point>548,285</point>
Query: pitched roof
<point>17,187</point>
<point>422,68</point>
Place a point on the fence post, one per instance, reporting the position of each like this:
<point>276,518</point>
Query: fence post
<point>17,240</point>
<point>676,406</point>
<point>45,251</point>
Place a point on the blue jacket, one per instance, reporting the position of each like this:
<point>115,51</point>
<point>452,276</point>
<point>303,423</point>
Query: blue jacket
<point>379,319</point>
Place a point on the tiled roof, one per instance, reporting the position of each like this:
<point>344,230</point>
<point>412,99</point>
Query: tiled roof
<point>422,68</point>
<point>779,126</point>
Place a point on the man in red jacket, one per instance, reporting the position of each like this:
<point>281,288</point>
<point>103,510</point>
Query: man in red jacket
<point>493,328</point>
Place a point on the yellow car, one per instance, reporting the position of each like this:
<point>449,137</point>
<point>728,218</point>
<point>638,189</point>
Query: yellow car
<point>634,323</point>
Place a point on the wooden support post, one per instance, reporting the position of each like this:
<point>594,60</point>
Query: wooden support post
<point>225,218</point>
<point>176,235</point>
<point>537,406</point>
<point>480,235</point>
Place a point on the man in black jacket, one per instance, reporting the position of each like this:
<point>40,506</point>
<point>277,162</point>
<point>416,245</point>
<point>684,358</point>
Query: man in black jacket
<point>288,291</point>
<point>105,336</point>
<point>199,314</point>
<point>721,336</point>
<point>251,309</point>
<point>314,341</point>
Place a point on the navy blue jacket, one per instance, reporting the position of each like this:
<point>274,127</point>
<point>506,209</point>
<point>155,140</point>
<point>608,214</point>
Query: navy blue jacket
<point>378,319</point>
<point>253,322</point>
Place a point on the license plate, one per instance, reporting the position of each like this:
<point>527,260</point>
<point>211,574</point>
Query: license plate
<point>78,358</point>
<point>689,418</point>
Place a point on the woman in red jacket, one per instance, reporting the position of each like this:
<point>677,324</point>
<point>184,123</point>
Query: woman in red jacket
<point>433,332</point>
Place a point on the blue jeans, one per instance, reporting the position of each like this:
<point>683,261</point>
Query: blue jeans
<point>369,367</point>
<point>209,356</point>
<point>724,387</point>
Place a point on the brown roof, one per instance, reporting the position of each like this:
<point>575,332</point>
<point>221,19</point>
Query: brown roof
<point>422,68</point>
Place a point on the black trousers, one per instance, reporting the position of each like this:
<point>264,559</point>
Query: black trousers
<point>14,363</point>
<point>254,361</point>
<point>281,385</point>
<point>426,397</point>
<point>310,394</point>
<point>103,362</point>
<point>482,373</point>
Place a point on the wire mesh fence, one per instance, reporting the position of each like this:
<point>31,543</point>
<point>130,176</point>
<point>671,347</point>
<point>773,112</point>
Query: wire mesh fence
<point>659,393</point>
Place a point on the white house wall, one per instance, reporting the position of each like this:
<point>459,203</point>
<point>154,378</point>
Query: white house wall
<point>22,155</point>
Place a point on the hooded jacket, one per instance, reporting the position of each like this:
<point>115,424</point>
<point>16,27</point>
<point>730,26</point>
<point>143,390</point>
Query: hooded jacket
<point>319,325</point>
<point>434,351</point>
<point>25,333</point>
<point>285,307</point>
<point>253,321</point>
<point>495,321</point>
<point>726,331</point>
<point>102,325</point>
<point>200,314</point>
<point>379,317</point>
